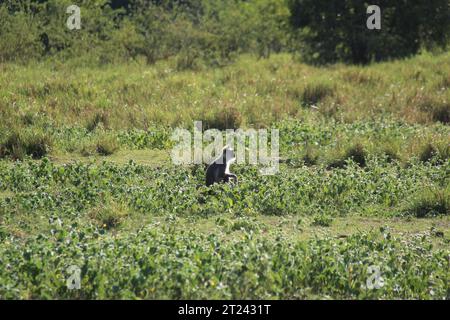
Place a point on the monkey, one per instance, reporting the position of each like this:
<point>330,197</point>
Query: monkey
<point>219,170</point>
<point>230,177</point>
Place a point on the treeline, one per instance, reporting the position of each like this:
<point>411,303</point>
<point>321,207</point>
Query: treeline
<point>213,32</point>
<point>194,31</point>
<point>335,30</point>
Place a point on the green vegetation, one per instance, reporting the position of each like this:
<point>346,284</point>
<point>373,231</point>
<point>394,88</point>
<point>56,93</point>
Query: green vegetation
<point>105,185</point>
<point>86,177</point>
<point>335,30</point>
<point>169,262</point>
<point>194,32</point>
<point>85,111</point>
<point>198,33</point>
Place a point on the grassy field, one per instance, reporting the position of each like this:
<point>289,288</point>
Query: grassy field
<point>86,179</point>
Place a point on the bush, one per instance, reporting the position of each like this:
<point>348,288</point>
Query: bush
<point>390,152</point>
<point>100,118</point>
<point>109,215</point>
<point>107,146</point>
<point>314,93</point>
<point>357,153</point>
<point>436,109</point>
<point>438,151</point>
<point>335,30</point>
<point>311,157</point>
<point>441,113</point>
<point>429,202</point>
<point>18,36</point>
<point>224,118</point>
<point>19,145</point>
<point>322,220</point>
<point>211,32</point>
<point>427,153</point>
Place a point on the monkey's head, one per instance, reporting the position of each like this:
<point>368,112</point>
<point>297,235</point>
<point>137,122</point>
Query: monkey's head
<point>227,154</point>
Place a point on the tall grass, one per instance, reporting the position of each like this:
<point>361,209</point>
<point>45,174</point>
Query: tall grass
<point>249,93</point>
<point>18,145</point>
<point>429,202</point>
<point>258,91</point>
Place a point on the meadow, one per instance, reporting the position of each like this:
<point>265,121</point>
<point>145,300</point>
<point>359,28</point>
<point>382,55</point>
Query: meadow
<point>86,179</point>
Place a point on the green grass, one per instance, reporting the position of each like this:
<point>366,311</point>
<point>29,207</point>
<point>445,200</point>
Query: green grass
<point>85,172</point>
<point>260,92</point>
<point>247,264</point>
<point>430,202</point>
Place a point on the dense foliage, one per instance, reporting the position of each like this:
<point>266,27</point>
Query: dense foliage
<point>198,32</point>
<point>169,262</point>
<point>193,32</point>
<point>336,30</point>
<point>86,178</point>
<point>55,216</point>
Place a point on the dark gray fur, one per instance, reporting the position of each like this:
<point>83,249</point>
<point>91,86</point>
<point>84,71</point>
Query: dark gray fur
<point>216,171</point>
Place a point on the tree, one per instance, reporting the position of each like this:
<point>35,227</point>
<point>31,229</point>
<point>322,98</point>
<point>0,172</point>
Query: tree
<point>335,30</point>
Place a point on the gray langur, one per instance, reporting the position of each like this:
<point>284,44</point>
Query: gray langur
<point>219,170</point>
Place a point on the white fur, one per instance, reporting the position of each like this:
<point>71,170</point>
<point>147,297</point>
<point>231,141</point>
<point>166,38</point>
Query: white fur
<point>227,168</point>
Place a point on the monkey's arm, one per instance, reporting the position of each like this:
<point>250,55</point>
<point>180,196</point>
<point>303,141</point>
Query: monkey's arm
<point>231,177</point>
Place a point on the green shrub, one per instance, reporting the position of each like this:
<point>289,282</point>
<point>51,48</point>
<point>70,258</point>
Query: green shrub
<point>107,146</point>
<point>335,30</point>
<point>316,92</point>
<point>357,153</point>
<point>322,220</point>
<point>110,214</point>
<point>224,118</point>
<point>438,110</point>
<point>391,152</point>
<point>429,203</point>
<point>311,157</point>
<point>437,151</point>
<point>19,35</point>
<point>19,145</point>
<point>100,118</point>
<point>441,113</point>
<point>428,152</point>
